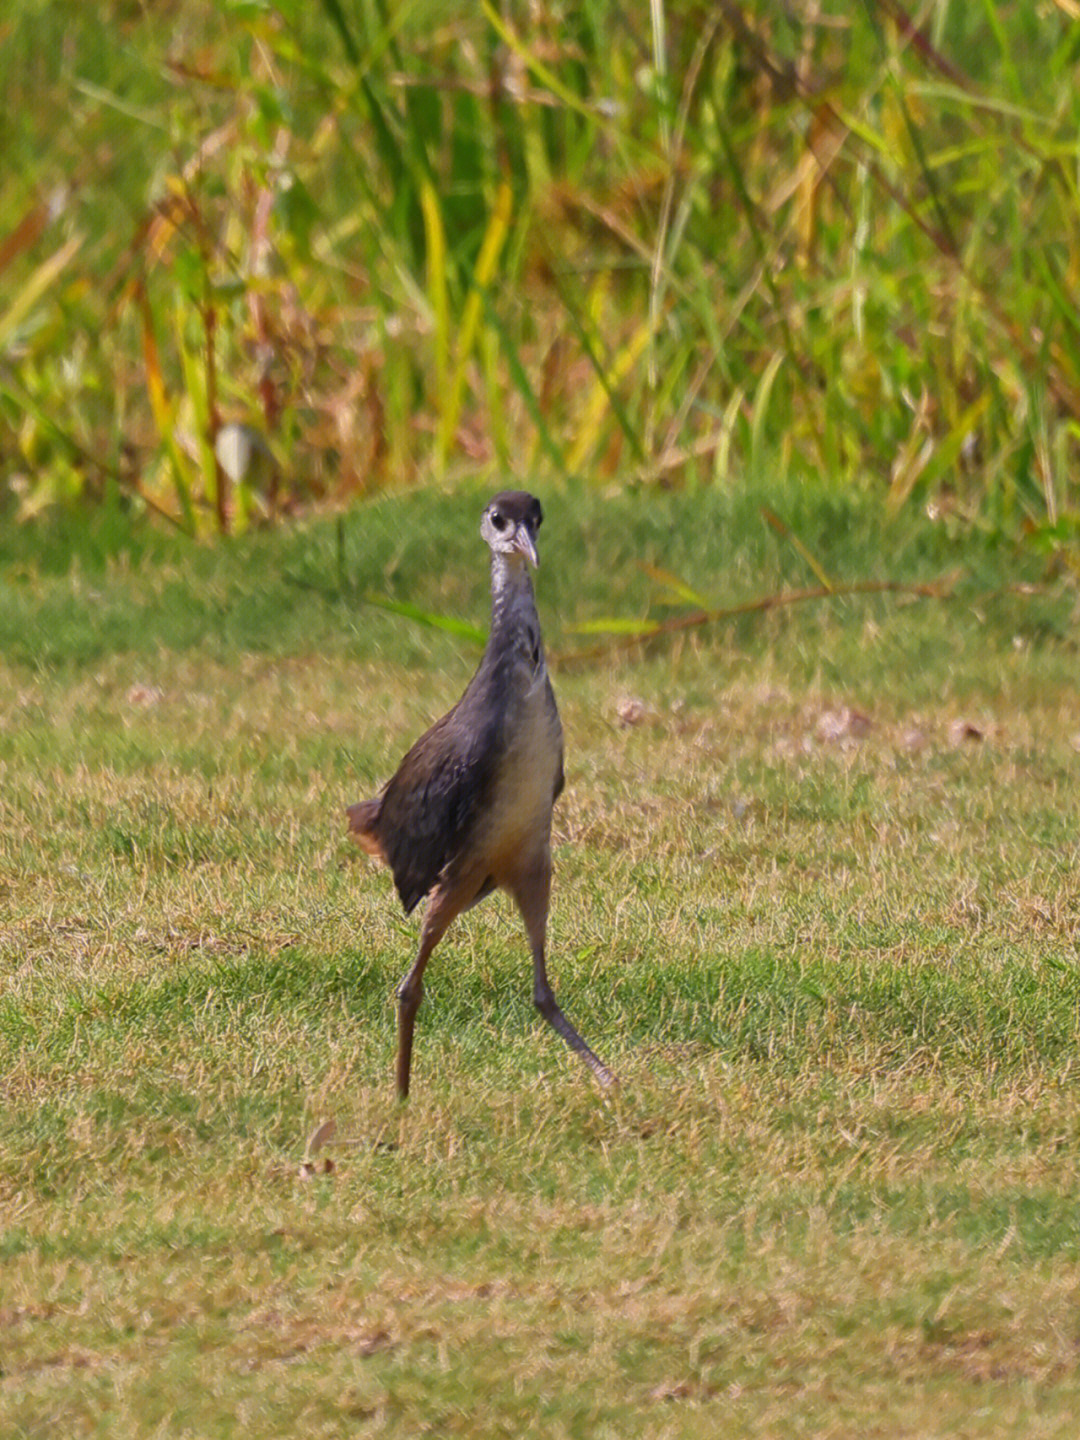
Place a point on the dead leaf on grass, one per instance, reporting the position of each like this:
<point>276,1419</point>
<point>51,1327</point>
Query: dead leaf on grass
<point>144,696</point>
<point>844,723</point>
<point>677,1390</point>
<point>373,1343</point>
<point>309,1169</point>
<point>961,730</point>
<point>320,1136</point>
<point>632,710</point>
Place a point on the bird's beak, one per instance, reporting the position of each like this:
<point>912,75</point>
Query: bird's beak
<point>523,544</point>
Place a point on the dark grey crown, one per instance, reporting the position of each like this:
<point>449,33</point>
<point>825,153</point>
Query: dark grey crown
<point>518,507</point>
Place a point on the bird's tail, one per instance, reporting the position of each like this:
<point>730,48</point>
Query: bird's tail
<point>363,826</point>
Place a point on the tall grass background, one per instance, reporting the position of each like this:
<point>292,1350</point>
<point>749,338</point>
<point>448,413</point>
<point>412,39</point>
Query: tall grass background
<point>665,245</point>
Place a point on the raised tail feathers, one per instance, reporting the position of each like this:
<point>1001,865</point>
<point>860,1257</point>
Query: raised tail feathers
<point>363,826</point>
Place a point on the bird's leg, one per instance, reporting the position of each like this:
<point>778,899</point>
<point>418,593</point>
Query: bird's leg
<point>532,891</point>
<point>440,911</point>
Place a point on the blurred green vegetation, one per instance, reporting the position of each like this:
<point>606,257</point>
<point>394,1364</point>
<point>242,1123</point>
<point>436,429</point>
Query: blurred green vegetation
<point>662,245</point>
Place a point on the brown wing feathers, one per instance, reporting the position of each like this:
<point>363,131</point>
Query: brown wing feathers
<point>425,815</point>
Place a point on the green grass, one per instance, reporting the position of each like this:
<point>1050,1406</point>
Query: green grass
<point>835,966</point>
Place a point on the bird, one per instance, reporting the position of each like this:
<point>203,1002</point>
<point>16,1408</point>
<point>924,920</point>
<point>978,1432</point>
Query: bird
<point>469,808</point>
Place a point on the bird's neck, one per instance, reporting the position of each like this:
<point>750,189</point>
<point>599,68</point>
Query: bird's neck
<point>511,592</point>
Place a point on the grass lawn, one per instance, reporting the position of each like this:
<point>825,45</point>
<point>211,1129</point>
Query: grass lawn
<point>817,906</point>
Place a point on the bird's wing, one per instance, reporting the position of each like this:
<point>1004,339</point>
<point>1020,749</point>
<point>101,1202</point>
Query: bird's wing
<point>560,774</point>
<point>429,809</point>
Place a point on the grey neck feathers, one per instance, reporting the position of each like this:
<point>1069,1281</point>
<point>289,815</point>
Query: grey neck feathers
<point>512,600</point>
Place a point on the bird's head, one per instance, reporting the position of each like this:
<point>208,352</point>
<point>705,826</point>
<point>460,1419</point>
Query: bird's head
<point>510,522</point>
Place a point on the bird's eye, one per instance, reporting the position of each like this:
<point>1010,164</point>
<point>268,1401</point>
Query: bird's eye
<point>498,520</point>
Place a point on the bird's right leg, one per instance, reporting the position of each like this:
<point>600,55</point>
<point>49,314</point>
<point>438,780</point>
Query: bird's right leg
<point>441,910</point>
<point>532,891</point>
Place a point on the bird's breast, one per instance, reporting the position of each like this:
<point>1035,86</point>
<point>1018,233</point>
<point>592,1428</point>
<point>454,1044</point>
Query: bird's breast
<point>519,817</point>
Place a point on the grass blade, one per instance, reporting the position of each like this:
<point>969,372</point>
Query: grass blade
<point>162,409</point>
<point>679,588</point>
<point>491,248</point>
<point>615,625</point>
<point>771,518</point>
<point>431,618</point>
<point>35,287</point>
<point>600,399</point>
<point>435,236</point>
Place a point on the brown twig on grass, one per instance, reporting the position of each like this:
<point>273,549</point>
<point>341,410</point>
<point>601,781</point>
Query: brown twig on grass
<point>942,589</point>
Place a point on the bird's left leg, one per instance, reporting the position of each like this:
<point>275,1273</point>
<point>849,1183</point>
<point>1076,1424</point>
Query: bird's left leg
<point>442,907</point>
<point>531,890</point>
